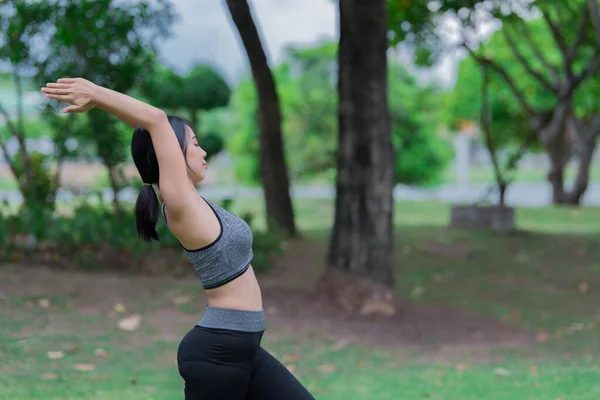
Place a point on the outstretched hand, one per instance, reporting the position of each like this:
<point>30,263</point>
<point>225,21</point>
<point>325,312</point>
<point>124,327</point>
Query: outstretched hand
<point>78,92</point>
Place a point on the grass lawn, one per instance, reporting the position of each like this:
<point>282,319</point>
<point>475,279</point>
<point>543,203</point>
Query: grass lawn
<point>59,337</point>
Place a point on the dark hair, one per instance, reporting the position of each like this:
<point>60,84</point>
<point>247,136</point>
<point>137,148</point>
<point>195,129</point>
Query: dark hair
<point>144,158</point>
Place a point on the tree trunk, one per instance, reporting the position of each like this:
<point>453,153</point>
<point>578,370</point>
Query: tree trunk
<point>362,237</point>
<point>273,166</point>
<point>115,177</point>
<point>583,175</point>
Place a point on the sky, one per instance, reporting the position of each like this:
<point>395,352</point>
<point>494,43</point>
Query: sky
<point>206,34</point>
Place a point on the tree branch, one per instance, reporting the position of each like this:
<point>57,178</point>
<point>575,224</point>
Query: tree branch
<point>526,64</point>
<point>13,131</point>
<point>592,67</point>
<point>559,40</point>
<point>595,16</point>
<point>505,75</point>
<point>581,29</point>
<point>536,51</point>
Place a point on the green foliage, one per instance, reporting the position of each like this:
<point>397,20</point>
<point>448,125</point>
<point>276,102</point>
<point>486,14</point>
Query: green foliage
<point>204,89</point>
<point>509,123</point>
<point>39,186</point>
<point>34,128</point>
<point>422,154</point>
<point>307,90</point>
<point>92,225</point>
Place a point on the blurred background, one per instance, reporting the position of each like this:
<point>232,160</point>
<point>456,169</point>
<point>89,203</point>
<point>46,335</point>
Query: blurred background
<point>435,237</point>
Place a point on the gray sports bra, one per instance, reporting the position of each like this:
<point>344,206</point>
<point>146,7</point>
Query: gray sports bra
<point>226,258</point>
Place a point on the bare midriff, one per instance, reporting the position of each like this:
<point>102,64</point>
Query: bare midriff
<point>242,293</point>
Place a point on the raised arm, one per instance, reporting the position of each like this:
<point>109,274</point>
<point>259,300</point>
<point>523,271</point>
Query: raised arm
<point>82,95</point>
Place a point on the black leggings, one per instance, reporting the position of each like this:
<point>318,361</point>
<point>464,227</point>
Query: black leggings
<point>231,365</point>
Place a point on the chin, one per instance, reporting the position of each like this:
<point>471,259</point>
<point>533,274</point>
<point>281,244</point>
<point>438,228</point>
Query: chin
<point>199,179</point>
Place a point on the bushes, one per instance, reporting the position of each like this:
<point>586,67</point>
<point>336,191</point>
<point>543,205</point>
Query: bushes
<point>91,232</point>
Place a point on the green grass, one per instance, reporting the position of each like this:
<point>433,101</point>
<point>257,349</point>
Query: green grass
<point>533,280</point>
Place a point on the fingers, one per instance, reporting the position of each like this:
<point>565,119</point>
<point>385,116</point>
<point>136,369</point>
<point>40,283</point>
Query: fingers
<point>66,80</point>
<point>71,109</point>
<point>56,90</point>
<point>60,97</point>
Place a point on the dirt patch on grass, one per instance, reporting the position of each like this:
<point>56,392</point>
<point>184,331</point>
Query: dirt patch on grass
<point>95,302</point>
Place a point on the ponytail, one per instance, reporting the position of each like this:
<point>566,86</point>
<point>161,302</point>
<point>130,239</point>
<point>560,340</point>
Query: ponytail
<point>146,213</point>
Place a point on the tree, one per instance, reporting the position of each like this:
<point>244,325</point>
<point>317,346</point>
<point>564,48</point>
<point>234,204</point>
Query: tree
<point>558,70</point>
<point>21,23</point>
<point>481,97</point>
<point>116,55</point>
<point>362,238</point>
<point>273,167</point>
<point>306,83</point>
<point>202,90</point>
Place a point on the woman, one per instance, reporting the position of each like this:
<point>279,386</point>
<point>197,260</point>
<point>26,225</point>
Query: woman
<point>220,357</point>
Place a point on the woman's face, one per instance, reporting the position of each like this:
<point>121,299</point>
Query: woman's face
<point>195,158</point>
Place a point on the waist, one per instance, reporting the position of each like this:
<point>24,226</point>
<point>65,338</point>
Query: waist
<point>233,319</point>
<point>241,293</point>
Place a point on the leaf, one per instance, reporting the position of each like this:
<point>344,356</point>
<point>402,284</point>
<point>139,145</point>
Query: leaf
<point>583,287</point>
<point>119,308</point>
<point>327,368</point>
<point>291,358</point>
<point>100,352</point>
<point>49,376</point>
<point>417,291</point>
<point>501,372</point>
<point>533,369</point>
<point>541,337</point>
<point>461,367</point>
<point>291,368</point>
<point>341,343</point>
<point>55,355</point>
<point>44,303</point>
<point>131,323</point>
<point>84,367</point>
<point>181,300</point>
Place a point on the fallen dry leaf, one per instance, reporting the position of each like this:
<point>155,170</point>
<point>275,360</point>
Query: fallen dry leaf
<point>291,368</point>
<point>49,376</point>
<point>44,303</point>
<point>100,352</point>
<point>327,368</point>
<point>55,355</point>
<point>340,344</point>
<point>583,287</point>
<point>84,367</point>
<point>541,337</point>
<point>533,369</point>
<point>417,291</point>
<point>461,367</point>
<point>370,307</point>
<point>180,300</point>
<point>291,358</point>
<point>131,323</point>
<point>515,315</point>
<point>119,308</point>
<point>437,383</point>
<point>501,372</point>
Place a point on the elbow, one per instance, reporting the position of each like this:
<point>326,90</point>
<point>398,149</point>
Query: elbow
<point>155,118</point>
